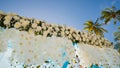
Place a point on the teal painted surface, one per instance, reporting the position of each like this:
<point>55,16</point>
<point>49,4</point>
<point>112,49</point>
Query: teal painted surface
<point>66,63</point>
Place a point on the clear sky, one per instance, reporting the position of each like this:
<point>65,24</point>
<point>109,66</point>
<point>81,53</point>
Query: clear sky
<point>69,12</point>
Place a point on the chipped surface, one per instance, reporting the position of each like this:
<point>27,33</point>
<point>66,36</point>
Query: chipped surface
<point>29,49</point>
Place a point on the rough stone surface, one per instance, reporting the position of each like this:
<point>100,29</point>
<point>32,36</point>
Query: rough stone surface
<point>29,49</point>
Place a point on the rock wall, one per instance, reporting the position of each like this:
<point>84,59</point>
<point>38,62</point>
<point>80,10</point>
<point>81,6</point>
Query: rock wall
<point>41,28</point>
<point>33,43</point>
<point>107,57</point>
<point>29,49</point>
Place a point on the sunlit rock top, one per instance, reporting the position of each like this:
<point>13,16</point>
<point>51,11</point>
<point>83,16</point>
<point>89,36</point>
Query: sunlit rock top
<point>38,27</point>
<point>30,43</point>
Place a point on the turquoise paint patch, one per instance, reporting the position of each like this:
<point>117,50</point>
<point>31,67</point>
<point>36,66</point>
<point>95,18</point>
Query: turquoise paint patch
<point>95,66</point>
<point>9,44</point>
<point>75,45</point>
<point>64,54</point>
<point>65,64</point>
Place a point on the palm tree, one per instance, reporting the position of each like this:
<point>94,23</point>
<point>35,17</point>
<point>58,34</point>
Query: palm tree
<point>109,14</point>
<point>94,27</point>
<point>117,39</point>
<point>117,34</point>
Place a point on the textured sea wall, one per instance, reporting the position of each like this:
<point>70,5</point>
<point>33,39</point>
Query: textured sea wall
<point>37,27</point>
<point>34,43</point>
<point>29,49</point>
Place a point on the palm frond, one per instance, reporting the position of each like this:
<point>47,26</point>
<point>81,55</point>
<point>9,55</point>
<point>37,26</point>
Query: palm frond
<point>117,38</point>
<point>103,30</point>
<point>102,17</point>
<point>108,9</point>
<point>97,20</point>
<point>96,31</point>
<point>117,33</point>
<point>88,23</point>
<point>107,20</point>
<point>118,12</point>
<point>115,21</point>
<point>113,8</point>
<point>95,27</point>
<point>86,28</point>
<point>106,13</point>
<point>119,28</point>
<point>98,25</point>
<point>117,45</point>
<point>118,18</point>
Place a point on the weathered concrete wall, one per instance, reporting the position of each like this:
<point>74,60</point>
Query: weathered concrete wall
<point>35,43</point>
<point>29,49</point>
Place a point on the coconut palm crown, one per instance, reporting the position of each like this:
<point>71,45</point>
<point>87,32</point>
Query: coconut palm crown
<point>109,14</point>
<point>94,27</point>
<point>117,39</point>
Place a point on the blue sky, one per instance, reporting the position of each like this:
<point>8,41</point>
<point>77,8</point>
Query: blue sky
<point>69,12</point>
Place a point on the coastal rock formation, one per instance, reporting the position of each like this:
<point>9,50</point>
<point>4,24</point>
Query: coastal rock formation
<point>37,44</point>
